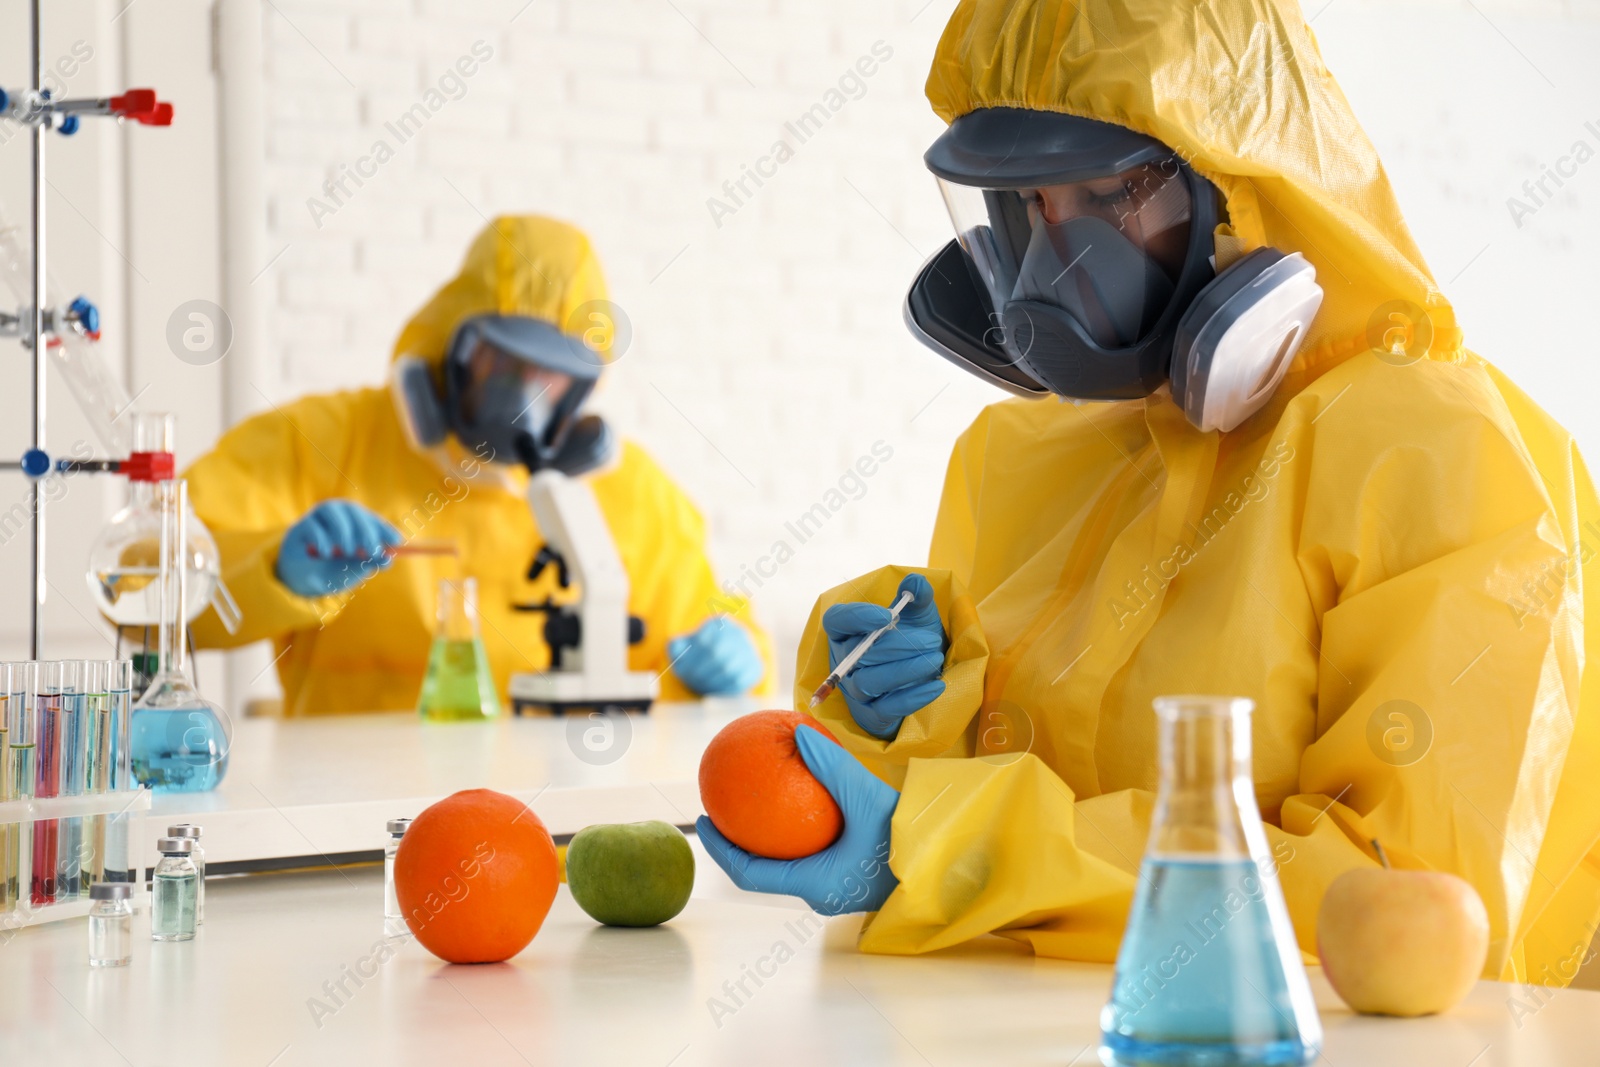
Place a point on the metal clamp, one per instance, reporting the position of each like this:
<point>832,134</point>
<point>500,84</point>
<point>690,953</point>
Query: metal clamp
<point>81,317</point>
<point>36,108</point>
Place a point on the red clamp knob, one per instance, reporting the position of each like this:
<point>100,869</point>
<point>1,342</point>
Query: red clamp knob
<point>141,106</point>
<point>149,467</point>
<point>134,102</point>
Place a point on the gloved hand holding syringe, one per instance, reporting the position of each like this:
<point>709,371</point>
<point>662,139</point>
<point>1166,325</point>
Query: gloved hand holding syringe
<point>825,690</point>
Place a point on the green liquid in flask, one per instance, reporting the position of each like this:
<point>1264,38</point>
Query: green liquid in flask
<point>458,685</point>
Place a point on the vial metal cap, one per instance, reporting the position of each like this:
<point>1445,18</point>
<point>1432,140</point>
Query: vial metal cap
<point>111,891</point>
<point>174,846</point>
<point>398,826</point>
<point>184,829</point>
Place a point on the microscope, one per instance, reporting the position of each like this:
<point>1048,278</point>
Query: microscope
<point>588,639</point>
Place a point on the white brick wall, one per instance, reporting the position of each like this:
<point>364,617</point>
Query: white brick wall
<point>768,351</point>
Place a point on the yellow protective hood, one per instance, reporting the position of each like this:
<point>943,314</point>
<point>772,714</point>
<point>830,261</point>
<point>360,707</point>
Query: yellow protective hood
<point>527,265</point>
<point>1239,90</point>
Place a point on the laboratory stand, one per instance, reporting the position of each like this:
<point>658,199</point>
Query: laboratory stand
<point>67,331</point>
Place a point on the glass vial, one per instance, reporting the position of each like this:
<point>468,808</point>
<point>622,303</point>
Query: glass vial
<point>394,922</point>
<point>198,855</point>
<point>174,892</point>
<point>110,924</point>
<point>1209,971</point>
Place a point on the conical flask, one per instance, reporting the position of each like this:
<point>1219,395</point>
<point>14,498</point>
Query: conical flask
<point>1209,972</point>
<point>458,685</point>
<point>179,739</point>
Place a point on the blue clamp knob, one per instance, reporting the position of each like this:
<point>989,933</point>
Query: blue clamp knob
<point>69,126</point>
<point>35,463</point>
<point>5,100</point>
<point>83,311</point>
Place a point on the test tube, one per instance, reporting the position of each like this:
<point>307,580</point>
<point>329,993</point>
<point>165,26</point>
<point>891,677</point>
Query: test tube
<point>21,750</point>
<point>47,778</point>
<point>119,687</point>
<point>70,858</point>
<point>97,765</point>
<point>8,897</point>
<point>119,690</point>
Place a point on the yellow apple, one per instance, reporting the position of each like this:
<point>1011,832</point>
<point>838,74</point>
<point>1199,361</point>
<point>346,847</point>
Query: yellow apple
<point>1398,942</point>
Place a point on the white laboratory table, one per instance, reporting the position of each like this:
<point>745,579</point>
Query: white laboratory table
<point>309,791</point>
<point>250,990</point>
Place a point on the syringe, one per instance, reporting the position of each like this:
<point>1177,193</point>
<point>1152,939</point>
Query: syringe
<point>825,690</point>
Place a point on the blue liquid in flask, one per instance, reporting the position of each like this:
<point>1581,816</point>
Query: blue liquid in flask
<point>1200,980</point>
<point>1209,973</point>
<point>179,750</point>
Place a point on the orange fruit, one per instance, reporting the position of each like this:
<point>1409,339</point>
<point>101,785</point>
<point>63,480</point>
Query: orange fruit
<point>758,791</point>
<point>475,875</point>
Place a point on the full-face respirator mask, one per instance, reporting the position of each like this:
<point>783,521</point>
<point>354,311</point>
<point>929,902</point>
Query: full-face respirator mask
<point>511,391</point>
<point>1084,266</point>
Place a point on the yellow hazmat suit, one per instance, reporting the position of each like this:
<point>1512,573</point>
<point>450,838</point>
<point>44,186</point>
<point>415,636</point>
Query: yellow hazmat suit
<point>365,649</point>
<point>1393,559</point>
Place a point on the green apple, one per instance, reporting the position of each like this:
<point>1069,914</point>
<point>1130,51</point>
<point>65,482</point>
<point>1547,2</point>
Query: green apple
<point>630,874</point>
<point>1396,942</point>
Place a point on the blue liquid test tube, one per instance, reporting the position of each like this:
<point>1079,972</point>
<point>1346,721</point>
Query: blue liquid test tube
<point>19,756</point>
<point>8,831</point>
<point>20,752</point>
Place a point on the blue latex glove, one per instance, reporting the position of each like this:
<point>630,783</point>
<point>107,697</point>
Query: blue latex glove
<point>336,545</point>
<point>899,674</point>
<point>719,659</point>
<point>852,874</point>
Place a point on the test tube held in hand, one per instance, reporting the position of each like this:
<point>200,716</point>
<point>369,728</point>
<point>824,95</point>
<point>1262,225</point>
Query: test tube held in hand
<point>410,548</point>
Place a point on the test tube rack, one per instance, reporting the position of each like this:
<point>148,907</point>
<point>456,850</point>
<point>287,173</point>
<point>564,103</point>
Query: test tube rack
<point>22,817</point>
<point>71,813</point>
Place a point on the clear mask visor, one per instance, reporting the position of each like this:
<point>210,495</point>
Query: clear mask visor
<point>506,384</point>
<point>1106,250</point>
